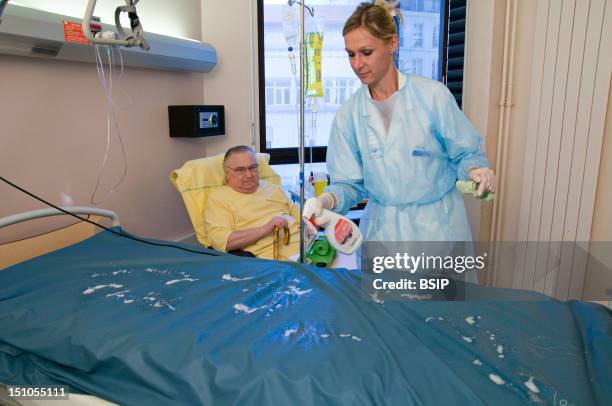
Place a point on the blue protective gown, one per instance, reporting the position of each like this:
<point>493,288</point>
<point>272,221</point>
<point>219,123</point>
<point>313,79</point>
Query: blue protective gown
<point>408,174</point>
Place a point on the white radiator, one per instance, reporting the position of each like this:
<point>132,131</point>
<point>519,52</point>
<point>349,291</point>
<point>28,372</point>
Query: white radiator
<point>572,60</point>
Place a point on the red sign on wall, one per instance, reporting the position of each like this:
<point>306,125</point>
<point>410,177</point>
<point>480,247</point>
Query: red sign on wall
<point>73,32</point>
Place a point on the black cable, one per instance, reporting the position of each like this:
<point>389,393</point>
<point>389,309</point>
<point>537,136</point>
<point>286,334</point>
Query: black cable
<point>8,182</point>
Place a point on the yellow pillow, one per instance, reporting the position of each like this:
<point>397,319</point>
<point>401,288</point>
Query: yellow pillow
<point>196,179</point>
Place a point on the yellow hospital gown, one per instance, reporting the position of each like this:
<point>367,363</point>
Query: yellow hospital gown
<point>228,210</point>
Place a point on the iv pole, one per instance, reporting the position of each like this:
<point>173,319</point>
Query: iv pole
<point>301,129</point>
<point>301,133</point>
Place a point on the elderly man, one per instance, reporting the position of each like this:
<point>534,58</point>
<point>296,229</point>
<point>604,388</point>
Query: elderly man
<point>243,213</point>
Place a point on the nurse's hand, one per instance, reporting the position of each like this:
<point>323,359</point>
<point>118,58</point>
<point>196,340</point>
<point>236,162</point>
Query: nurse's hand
<point>485,178</point>
<point>314,205</point>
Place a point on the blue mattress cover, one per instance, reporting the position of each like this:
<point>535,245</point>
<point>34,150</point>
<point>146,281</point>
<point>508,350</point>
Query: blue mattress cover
<point>138,324</point>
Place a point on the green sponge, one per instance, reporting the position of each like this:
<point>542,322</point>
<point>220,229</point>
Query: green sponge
<point>470,187</point>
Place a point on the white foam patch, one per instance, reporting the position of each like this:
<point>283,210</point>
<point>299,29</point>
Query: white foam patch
<point>477,362</point>
<point>468,339</point>
<point>162,304</point>
<point>89,291</point>
<point>470,320</point>
<point>246,309</point>
<point>128,301</point>
<point>479,317</point>
<point>121,293</point>
<point>497,379</point>
<point>500,356</point>
<point>532,386</point>
<point>290,332</point>
<point>172,282</point>
<point>492,337</point>
<point>345,335</point>
<point>294,290</point>
<point>376,299</point>
<point>356,338</point>
<point>427,319</point>
<point>245,290</point>
<point>121,271</point>
<point>296,280</point>
<point>228,277</point>
<point>413,296</point>
<point>500,349</point>
<point>324,335</point>
<point>440,318</point>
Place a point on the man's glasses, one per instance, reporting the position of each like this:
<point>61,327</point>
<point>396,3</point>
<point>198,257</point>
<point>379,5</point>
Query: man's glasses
<point>242,170</point>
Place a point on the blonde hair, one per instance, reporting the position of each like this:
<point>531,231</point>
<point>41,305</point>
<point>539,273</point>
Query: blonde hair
<point>377,17</point>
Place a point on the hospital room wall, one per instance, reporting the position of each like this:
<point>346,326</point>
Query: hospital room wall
<point>232,27</point>
<point>53,134</point>
<point>483,78</point>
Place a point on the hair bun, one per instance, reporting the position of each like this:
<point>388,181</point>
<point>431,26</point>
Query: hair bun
<point>390,7</point>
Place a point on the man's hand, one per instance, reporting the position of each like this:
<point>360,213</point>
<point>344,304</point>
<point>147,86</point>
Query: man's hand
<point>243,238</point>
<point>485,178</point>
<point>276,221</point>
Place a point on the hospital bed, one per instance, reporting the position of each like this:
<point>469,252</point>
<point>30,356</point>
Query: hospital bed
<point>119,320</point>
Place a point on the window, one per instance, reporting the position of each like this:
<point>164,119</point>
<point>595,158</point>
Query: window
<point>414,5</point>
<point>432,6</point>
<point>279,90</point>
<point>337,91</point>
<point>435,36</point>
<point>417,66</point>
<point>417,35</point>
<point>269,136</point>
<point>434,69</point>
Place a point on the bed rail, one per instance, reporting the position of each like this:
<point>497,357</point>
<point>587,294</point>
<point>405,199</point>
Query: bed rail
<point>34,214</point>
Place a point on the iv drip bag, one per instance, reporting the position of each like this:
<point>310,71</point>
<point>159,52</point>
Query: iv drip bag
<point>290,26</point>
<point>313,55</point>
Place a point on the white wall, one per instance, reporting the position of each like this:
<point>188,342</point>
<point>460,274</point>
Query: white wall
<point>232,27</point>
<point>479,93</point>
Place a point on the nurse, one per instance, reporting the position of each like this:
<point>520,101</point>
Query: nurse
<point>400,141</point>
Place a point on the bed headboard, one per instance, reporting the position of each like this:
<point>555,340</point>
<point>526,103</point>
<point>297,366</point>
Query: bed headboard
<point>18,251</point>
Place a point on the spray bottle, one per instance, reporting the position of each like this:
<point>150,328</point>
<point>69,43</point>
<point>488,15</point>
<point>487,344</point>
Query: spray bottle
<point>341,232</point>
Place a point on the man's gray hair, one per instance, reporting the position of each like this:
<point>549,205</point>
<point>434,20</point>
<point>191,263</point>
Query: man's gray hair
<point>235,150</point>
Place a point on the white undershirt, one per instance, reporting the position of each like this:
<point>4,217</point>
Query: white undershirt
<point>387,106</point>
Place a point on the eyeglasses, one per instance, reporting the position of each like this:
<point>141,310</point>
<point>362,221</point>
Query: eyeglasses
<point>242,170</point>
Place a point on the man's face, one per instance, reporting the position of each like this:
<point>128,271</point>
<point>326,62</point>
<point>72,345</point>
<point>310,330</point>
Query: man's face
<point>242,172</point>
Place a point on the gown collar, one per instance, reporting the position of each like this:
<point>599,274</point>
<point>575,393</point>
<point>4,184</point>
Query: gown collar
<point>367,106</point>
